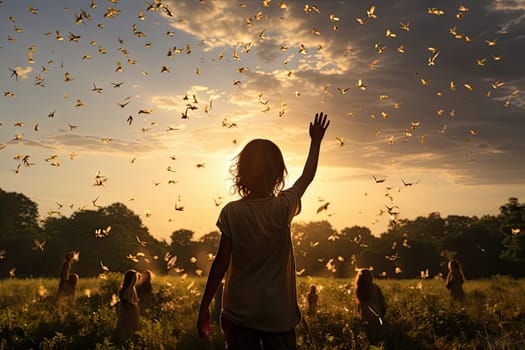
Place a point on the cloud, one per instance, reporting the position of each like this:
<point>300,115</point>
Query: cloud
<point>297,61</point>
<point>265,30</point>
<point>167,103</point>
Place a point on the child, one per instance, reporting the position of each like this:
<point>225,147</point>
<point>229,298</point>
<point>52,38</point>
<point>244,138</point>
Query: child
<point>313,300</point>
<point>255,251</point>
<point>145,289</point>
<point>68,281</point>
<point>455,279</point>
<point>128,320</point>
<point>371,304</point>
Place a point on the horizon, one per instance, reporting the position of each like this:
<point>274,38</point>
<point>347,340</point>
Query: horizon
<point>198,235</point>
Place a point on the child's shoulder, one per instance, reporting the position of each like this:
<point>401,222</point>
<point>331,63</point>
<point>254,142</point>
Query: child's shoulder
<point>289,192</point>
<point>233,203</point>
<point>231,207</point>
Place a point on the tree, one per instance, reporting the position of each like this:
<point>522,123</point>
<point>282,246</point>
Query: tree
<point>352,241</point>
<point>312,246</point>
<point>181,238</point>
<point>412,246</point>
<point>512,218</point>
<point>184,248</point>
<point>112,235</point>
<point>207,247</point>
<point>210,242</point>
<point>17,214</point>
<point>115,236</point>
<point>476,243</point>
<point>431,228</point>
<point>18,230</point>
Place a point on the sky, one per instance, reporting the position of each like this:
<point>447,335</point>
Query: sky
<point>147,103</point>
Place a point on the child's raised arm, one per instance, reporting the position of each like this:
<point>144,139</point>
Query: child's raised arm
<point>317,131</point>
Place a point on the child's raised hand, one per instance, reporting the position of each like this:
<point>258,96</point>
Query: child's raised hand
<point>319,126</point>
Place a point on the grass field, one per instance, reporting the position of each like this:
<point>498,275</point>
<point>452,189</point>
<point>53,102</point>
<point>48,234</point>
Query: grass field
<point>420,316</point>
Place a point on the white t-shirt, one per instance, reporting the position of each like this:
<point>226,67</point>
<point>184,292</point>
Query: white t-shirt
<point>260,289</point>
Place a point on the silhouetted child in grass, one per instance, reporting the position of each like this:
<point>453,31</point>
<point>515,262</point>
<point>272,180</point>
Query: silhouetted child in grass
<point>313,300</point>
<point>68,281</point>
<point>371,305</point>
<point>255,251</point>
<point>128,319</point>
<point>454,281</point>
<point>145,289</point>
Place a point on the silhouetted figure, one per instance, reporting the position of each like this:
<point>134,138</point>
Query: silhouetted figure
<point>128,320</point>
<point>371,305</point>
<point>72,283</point>
<point>255,252</point>
<point>68,281</point>
<point>145,289</point>
<point>454,281</point>
<point>313,300</point>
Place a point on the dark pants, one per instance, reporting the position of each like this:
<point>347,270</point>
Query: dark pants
<point>242,338</point>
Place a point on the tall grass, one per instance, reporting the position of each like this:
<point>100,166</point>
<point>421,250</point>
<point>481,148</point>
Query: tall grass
<point>420,316</point>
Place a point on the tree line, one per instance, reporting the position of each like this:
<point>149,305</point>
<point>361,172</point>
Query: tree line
<point>113,238</point>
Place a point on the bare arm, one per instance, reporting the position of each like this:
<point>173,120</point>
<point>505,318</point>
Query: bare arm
<point>218,269</point>
<point>317,131</point>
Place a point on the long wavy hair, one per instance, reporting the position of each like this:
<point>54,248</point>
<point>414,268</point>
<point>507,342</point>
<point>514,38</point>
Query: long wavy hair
<point>363,285</point>
<point>127,289</point>
<point>455,268</point>
<point>258,169</point>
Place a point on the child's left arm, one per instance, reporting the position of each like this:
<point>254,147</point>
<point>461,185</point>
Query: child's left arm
<point>218,269</point>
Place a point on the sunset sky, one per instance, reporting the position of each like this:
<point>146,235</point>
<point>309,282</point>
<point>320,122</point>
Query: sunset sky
<point>152,101</point>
